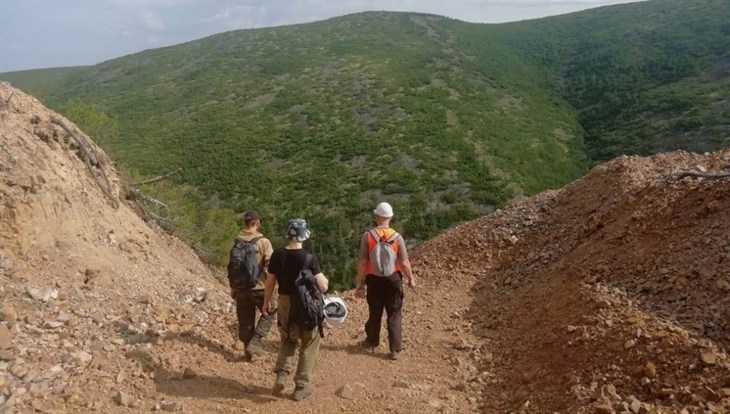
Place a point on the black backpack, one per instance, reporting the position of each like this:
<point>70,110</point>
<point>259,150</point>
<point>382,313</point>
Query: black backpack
<point>243,269</point>
<point>309,299</point>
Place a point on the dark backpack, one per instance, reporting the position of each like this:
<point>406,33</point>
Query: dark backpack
<point>243,269</point>
<point>309,299</point>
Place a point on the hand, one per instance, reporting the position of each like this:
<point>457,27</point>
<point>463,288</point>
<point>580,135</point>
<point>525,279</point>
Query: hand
<point>360,292</point>
<point>412,283</point>
<point>265,308</point>
<point>234,293</point>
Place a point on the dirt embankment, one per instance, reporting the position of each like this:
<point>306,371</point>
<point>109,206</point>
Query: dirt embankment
<point>613,292</point>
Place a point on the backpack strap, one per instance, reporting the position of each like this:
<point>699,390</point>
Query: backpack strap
<point>263,259</point>
<point>375,235</point>
<point>393,237</point>
<point>307,261</point>
<point>254,240</point>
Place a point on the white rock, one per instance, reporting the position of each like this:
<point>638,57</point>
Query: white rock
<point>82,357</point>
<point>53,324</point>
<point>43,295</point>
<point>200,295</point>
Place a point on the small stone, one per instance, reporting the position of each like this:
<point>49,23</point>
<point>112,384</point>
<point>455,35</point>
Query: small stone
<point>462,345</point>
<point>200,295</point>
<point>709,357</point>
<point>572,328</point>
<point>20,371</point>
<point>629,344</point>
<point>38,406</point>
<point>434,403</point>
<point>722,285</point>
<point>401,384</point>
<point>724,392</point>
<point>53,325</point>
<point>650,370</point>
<point>189,373</point>
<point>171,406</point>
<point>81,357</point>
<point>604,409</point>
<point>8,313</point>
<point>6,355</point>
<point>123,399</point>
<point>6,338</point>
<point>42,295</point>
<point>346,392</point>
<point>634,404</point>
<point>610,390</point>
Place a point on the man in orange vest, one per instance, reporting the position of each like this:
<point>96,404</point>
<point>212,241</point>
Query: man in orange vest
<point>381,269</point>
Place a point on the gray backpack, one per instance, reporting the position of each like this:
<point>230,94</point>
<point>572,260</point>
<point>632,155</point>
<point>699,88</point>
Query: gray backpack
<point>383,256</point>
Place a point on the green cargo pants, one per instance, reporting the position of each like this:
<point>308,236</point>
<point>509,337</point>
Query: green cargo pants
<point>291,335</point>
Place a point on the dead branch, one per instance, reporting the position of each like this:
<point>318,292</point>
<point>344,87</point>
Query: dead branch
<point>90,154</point>
<point>7,101</point>
<point>158,178</point>
<point>155,202</point>
<point>673,178</point>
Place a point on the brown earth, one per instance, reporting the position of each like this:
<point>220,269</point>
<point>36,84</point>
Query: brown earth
<point>610,295</point>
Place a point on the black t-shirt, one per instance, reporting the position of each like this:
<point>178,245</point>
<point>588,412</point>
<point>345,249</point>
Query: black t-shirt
<point>286,264</point>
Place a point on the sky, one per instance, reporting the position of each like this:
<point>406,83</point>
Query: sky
<point>52,33</point>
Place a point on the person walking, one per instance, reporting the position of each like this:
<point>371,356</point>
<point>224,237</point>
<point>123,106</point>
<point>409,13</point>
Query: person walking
<point>250,295</point>
<point>284,268</point>
<point>383,264</point>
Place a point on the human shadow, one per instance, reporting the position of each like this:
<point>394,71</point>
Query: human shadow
<point>187,337</point>
<point>207,386</point>
<point>354,349</point>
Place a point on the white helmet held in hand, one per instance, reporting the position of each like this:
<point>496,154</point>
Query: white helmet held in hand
<point>335,310</point>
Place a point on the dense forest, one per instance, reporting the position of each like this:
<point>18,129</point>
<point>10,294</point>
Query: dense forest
<point>446,120</point>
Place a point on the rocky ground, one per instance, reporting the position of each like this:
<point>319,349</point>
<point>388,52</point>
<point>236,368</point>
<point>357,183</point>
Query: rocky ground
<point>610,295</point>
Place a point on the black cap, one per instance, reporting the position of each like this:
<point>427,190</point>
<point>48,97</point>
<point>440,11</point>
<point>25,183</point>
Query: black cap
<point>250,216</point>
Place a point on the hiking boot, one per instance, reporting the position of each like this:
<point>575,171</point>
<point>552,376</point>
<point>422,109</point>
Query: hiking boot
<point>280,384</point>
<point>301,392</point>
<point>255,348</point>
<point>247,357</point>
<point>367,344</point>
<point>394,355</point>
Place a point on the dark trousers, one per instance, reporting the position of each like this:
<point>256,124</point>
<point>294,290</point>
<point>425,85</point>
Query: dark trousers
<point>247,301</point>
<point>385,293</point>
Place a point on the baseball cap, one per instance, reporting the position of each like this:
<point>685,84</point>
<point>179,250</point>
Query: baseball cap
<point>251,215</point>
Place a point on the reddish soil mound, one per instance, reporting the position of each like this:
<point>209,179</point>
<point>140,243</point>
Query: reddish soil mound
<point>612,292</point>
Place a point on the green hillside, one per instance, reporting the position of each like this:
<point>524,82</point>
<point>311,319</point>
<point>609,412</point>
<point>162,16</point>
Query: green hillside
<point>446,120</point>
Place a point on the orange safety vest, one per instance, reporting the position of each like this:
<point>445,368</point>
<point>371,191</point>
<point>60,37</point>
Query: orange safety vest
<point>384,234</point>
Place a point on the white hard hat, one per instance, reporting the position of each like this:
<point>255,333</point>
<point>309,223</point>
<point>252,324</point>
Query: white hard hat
<point>384,210</point>
<point>335,310</point>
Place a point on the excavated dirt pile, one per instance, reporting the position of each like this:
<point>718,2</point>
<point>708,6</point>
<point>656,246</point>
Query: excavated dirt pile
<point>82,283</point>
<point>609,295</point>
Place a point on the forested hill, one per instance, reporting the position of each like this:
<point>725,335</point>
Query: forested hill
<point>443,118</point>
